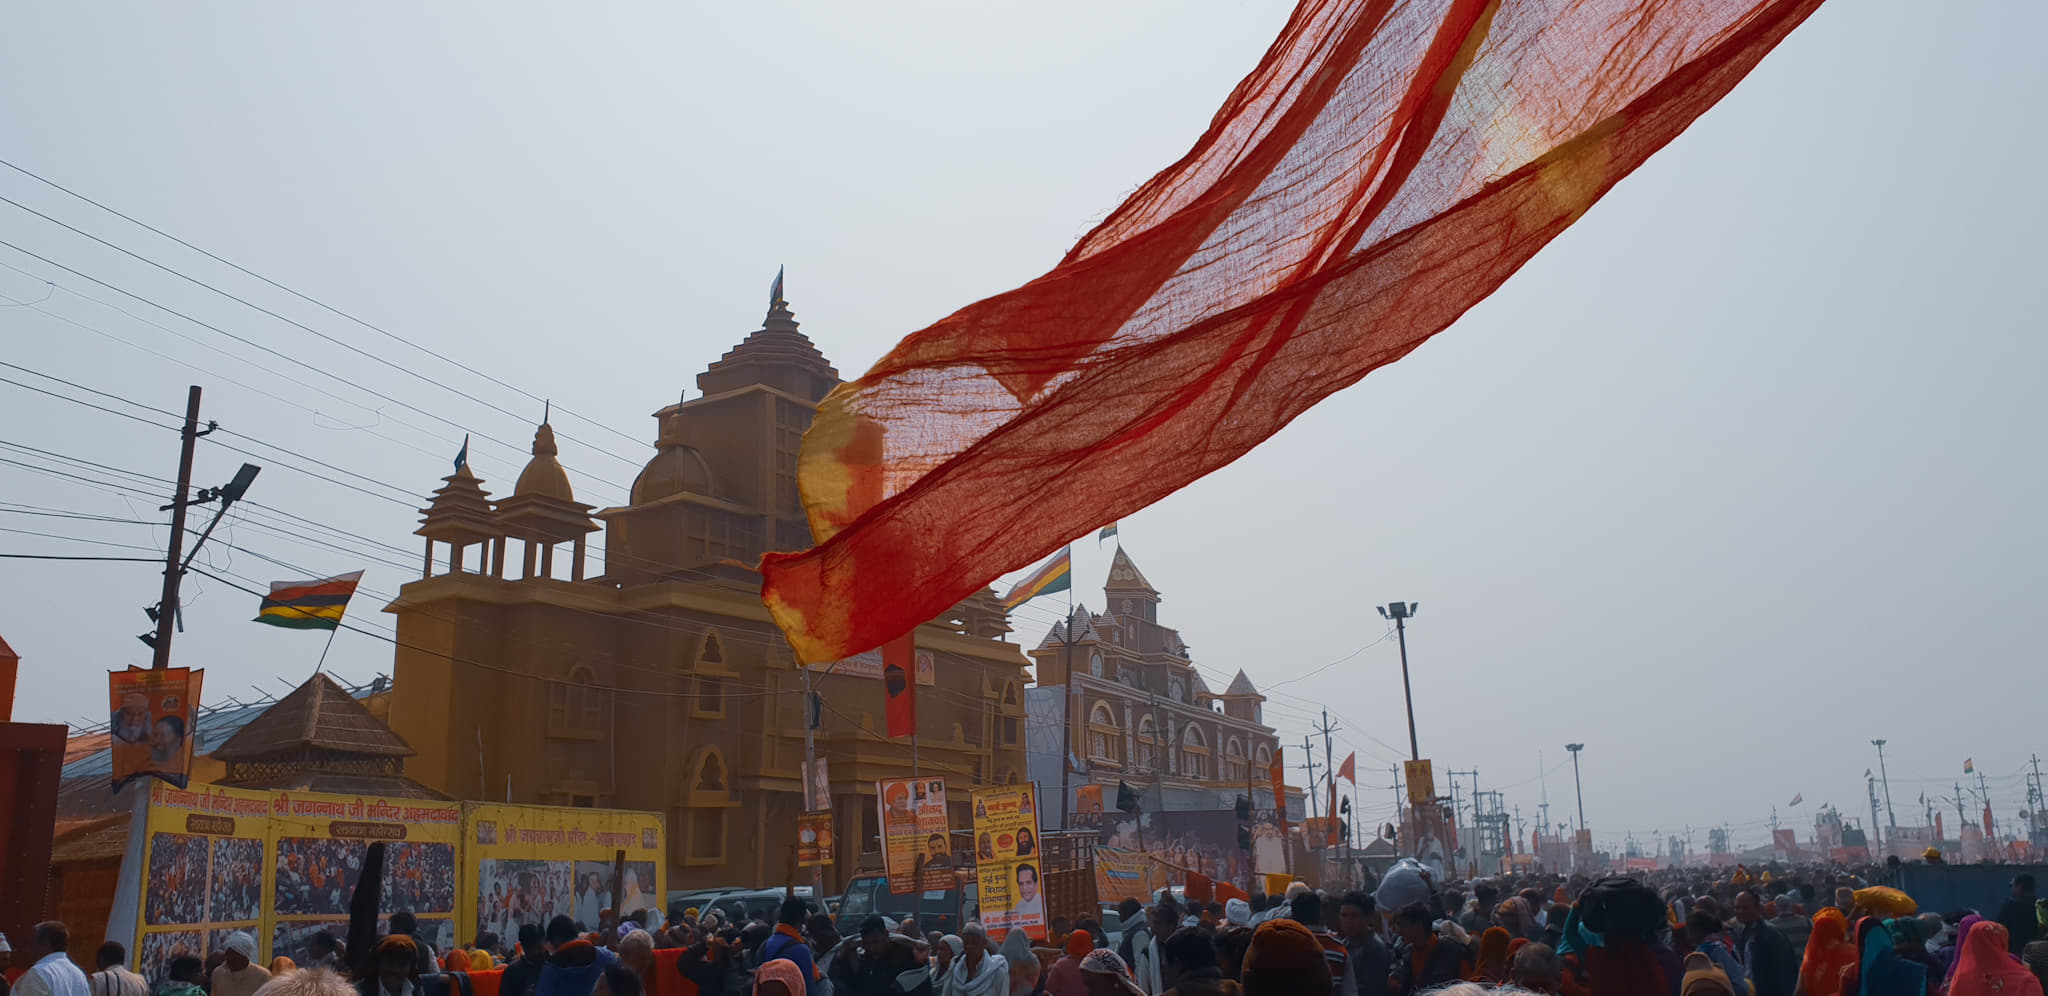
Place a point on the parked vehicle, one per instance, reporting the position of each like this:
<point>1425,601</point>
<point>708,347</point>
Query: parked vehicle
<point>943,910</point>
<point>742,905</point>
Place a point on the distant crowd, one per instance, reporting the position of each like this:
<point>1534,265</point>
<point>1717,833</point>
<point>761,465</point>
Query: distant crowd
<point>1806,932</point>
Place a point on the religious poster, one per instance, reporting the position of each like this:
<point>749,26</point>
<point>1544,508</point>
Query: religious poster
<point>814,841</point>
<point>1421,782</point>
<point>525,864</point>
<point>319,843</point>
<point>1007,862</point>
<point>914,828</point>
<point>1088,806</point>
<point>203,872</point>
<point>150,727</point>
<point>817,785</point>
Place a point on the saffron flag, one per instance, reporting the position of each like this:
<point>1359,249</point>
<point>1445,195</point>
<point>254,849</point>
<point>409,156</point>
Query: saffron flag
<point>1381,170</point>
<point>309,604</point>
<point>1056,575</point>
<point>1277,773</point>
<point>1349,769</point>
<point>897,660</point>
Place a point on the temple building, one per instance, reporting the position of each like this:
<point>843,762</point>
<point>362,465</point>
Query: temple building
<point>1119,694</point>
<point>534,668</point>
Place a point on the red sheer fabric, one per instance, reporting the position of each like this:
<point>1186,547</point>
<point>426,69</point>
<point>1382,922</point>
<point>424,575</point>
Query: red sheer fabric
<point>1386,166</point>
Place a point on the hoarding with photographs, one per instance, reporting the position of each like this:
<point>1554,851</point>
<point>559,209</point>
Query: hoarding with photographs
<point>319,842</point>
<point>1008,866</point>
<point>914,829</point>
<point>283,866</point>
<point>1203,841</point>
<point>150,727</point>
<point>526,864</point>
<point>203,872</point>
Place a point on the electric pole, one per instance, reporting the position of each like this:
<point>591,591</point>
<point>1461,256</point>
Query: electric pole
<point>1984,793</point>
<point>1308,764</point>
<point>165,613</point>
<point>167,606</point>
<point>1578,786</point>
<point>1892,821</point>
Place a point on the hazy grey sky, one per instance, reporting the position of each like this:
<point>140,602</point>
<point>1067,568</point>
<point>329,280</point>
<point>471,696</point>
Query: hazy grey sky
<point>1744,470</point>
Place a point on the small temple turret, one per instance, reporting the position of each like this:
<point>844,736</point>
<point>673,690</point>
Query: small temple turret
<point>461,516</point>
<point>543,513</point>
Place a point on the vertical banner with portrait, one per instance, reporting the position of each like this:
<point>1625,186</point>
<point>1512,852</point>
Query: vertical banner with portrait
<point>914,827</point>
<point>817,786</point>
<point>319,845</point>
<point>814,841</point>
<point>526,864</point>
<point>150,726</point>
<point>203,872</point>
<point>1007,860</point>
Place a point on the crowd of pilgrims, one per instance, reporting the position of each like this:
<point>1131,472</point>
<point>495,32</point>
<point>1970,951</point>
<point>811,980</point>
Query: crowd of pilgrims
<point>1799,933</point>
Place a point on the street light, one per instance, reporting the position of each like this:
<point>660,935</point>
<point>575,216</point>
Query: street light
<point>1400,613</point>
<point>1578,787</point>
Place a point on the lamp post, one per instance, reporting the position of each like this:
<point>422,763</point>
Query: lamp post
<point>1400,613</point>
<point>1578,787</point>
<point>1890,820</point>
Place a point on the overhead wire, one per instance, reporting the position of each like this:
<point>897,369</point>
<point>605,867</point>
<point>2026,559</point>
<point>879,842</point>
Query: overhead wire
<point>304,297</point>
<point>283,356</point>
<point>332,340</point>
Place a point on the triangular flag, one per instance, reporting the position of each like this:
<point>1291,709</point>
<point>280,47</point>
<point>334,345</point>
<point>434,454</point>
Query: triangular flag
<point>1349,769</point>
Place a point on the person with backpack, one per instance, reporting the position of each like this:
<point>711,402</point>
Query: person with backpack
<point>787,942</point>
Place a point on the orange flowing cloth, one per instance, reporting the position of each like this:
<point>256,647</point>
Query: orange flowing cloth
<point>1386,165</point>
<point>1828,952</point>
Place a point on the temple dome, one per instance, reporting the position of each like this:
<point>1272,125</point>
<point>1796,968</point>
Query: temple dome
<point>544,476</point>
<point>677,467</point>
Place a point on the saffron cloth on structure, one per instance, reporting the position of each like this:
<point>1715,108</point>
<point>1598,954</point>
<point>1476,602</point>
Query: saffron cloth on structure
<point>1386,165</point>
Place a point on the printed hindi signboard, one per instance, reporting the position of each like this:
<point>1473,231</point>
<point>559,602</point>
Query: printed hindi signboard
<point>150,726</point>
<point>1008,866</point>
<point>914,834</point>
<point>203,872</point>
<point>525,864</point>
<point>318,843</point>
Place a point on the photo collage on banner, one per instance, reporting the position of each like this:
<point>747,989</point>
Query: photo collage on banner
<point>913,821</point>
<point>1007,861</point>
<point>202,872</point>
<point>526,864</point>
<point>320,841</point>
<point>150,723</point>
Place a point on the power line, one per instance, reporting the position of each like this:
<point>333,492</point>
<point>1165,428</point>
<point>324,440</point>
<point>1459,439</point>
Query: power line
<point>295,324</point>
<point>303,297</point>
<point>284,356</point>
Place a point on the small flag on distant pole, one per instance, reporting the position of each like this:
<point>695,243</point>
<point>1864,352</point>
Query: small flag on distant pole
<point>1056,575</point>
<point>1796,800</point>
<point>775,299</point>
<point>309,604</point>
<point>1969,765</point>
<point>462,455</point>
<point>1108,533</point>
<point>1349,769</point>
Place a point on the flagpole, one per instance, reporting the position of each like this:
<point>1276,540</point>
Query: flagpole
<point>330,645</point>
